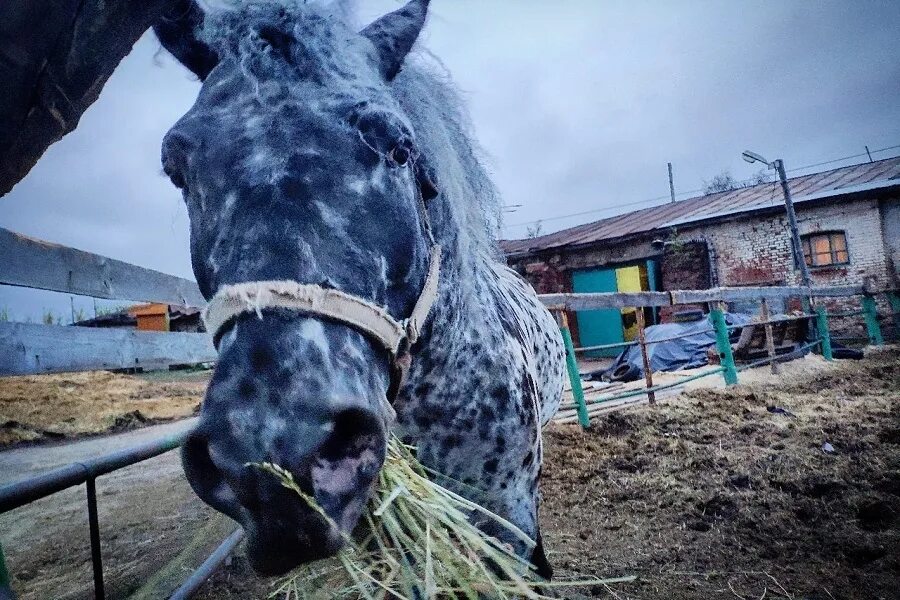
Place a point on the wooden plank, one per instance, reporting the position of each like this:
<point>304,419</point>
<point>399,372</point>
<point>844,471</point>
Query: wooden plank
<point>770,338</point>
<point>34,263</point>
<point>600,300</point>
<point>597,300</point>
<point>729,294</point>
<point>27,348</point>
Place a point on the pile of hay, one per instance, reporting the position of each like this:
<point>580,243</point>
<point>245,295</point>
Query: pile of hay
<point>418,541</point>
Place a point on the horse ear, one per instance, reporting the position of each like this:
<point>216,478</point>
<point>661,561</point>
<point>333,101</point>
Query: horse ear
<point>394,34</point>
<point>177,31</point>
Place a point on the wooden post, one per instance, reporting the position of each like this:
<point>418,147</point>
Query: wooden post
<point>671,184</point>
<point>572,367</point>
<point>642,341</point>
<point>770,339</point>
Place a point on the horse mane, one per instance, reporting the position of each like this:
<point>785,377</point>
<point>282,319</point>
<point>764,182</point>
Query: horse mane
<point>470,202</point>
<point>467,213</point>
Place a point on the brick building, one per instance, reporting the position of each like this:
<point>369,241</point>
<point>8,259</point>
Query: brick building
<point>849,221</point>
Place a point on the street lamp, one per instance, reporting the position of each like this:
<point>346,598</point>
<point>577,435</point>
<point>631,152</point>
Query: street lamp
<point>778,165</point>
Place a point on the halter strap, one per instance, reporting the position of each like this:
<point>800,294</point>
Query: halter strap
<point>371,319</point>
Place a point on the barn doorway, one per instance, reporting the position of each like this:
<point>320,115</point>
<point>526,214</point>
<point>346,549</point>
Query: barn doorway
<point>613,325</point>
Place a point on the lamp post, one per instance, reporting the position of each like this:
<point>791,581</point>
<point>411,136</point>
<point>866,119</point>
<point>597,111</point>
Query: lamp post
<point>778,165</point>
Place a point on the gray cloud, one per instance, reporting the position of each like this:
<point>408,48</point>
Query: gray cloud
<point>579,105</point>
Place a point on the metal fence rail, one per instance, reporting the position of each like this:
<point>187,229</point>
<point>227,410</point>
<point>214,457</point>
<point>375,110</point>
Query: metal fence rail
<point>20,493</point>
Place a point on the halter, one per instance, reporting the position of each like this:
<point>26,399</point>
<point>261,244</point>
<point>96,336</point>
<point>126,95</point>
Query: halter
<point>397,337</point>
<point>371,319</point>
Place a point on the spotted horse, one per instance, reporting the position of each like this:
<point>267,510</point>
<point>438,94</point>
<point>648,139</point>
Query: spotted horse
<point>342,229</point>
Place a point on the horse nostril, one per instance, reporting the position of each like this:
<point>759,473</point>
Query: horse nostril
<point>206,478</point>
<point>354,429</point>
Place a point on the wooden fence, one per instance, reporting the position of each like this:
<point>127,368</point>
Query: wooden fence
<point>29,348</point>
<point>814,312</point>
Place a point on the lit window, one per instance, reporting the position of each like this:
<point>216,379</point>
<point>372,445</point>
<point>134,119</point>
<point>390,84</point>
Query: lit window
<point>825,249</point>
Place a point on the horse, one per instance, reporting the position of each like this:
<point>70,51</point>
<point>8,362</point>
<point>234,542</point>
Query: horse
<point>342,229</point>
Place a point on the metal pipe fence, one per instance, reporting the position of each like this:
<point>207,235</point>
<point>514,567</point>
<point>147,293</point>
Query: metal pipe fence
<point>19,493</point>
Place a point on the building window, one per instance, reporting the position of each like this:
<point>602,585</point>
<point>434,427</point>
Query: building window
<point>825,249</point>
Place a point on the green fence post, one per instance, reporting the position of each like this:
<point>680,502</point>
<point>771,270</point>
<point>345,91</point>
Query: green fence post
<point>824,334</point>
<point>894,300</point>
<point>5,582</point>
<point>871,315</point>
<point>723,344</point>
<point>572,367</point>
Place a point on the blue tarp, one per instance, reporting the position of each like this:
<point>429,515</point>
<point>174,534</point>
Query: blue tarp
<point>684,353</point>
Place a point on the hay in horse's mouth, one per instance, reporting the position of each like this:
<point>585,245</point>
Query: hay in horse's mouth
<point>417,539</point>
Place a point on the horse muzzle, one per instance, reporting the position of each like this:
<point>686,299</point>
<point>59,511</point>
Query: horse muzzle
<point>307,396</point>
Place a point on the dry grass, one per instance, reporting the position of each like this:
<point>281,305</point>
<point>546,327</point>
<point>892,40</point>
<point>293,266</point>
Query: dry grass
<point>418,540</point>
<point>55,406</point>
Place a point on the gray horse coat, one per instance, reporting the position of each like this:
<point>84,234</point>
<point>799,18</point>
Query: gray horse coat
<point>319,155</point>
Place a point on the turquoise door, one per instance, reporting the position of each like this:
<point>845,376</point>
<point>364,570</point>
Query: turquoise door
<point>598,327</point>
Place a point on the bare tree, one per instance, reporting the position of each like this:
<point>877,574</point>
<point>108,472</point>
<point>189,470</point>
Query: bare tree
<point>723,182</point>
<point>761,176</point>
<point>535,230</point>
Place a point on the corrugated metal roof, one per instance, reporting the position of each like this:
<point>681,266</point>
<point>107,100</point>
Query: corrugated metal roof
<point>836,182</point>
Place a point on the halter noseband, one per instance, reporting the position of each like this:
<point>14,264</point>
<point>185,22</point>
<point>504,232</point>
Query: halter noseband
<point>397,337</point>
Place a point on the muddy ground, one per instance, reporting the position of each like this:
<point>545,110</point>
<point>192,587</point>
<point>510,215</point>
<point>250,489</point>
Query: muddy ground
<point>715,495</point>
<point>710,495</point>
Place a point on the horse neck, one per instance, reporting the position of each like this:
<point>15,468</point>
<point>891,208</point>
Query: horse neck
<point>464,297</point>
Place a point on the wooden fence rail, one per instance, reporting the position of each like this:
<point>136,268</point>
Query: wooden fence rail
<point>593,301</point>
<point>29,262</point>
<point>28,349</point>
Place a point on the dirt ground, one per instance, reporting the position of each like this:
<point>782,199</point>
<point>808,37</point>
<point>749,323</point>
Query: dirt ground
<point>53,407</point>
<point>708,495</point>
<point>715,495</point>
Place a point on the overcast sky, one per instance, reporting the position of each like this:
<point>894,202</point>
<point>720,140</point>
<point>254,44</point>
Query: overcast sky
<point>579,105</point>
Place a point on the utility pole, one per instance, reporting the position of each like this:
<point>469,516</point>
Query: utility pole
<point>778,165</point>
<point>799,259</point>
<point>870,154</point>
<point>671,183</point>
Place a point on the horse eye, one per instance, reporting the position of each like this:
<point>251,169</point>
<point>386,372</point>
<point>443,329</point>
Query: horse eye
<point>400,155</point>
<point>175,176</point>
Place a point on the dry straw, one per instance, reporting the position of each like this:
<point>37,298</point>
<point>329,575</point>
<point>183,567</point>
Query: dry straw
<point>417,540</point>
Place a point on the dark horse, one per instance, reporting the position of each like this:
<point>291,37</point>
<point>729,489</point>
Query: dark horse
<point>327,173</point>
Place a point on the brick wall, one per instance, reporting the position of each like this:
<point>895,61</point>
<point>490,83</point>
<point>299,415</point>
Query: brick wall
<point>684,266</point>
<point>551,273</point>
<point>756,251</point>
<point>750,251</point>
<point>890,231</point>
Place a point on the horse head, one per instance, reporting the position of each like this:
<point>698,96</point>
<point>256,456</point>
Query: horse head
<point>299,170</point>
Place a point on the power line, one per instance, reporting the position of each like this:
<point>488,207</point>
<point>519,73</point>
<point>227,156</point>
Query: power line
<point>589,212</point>
<point>828,162</point>
<point>658,198</point>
